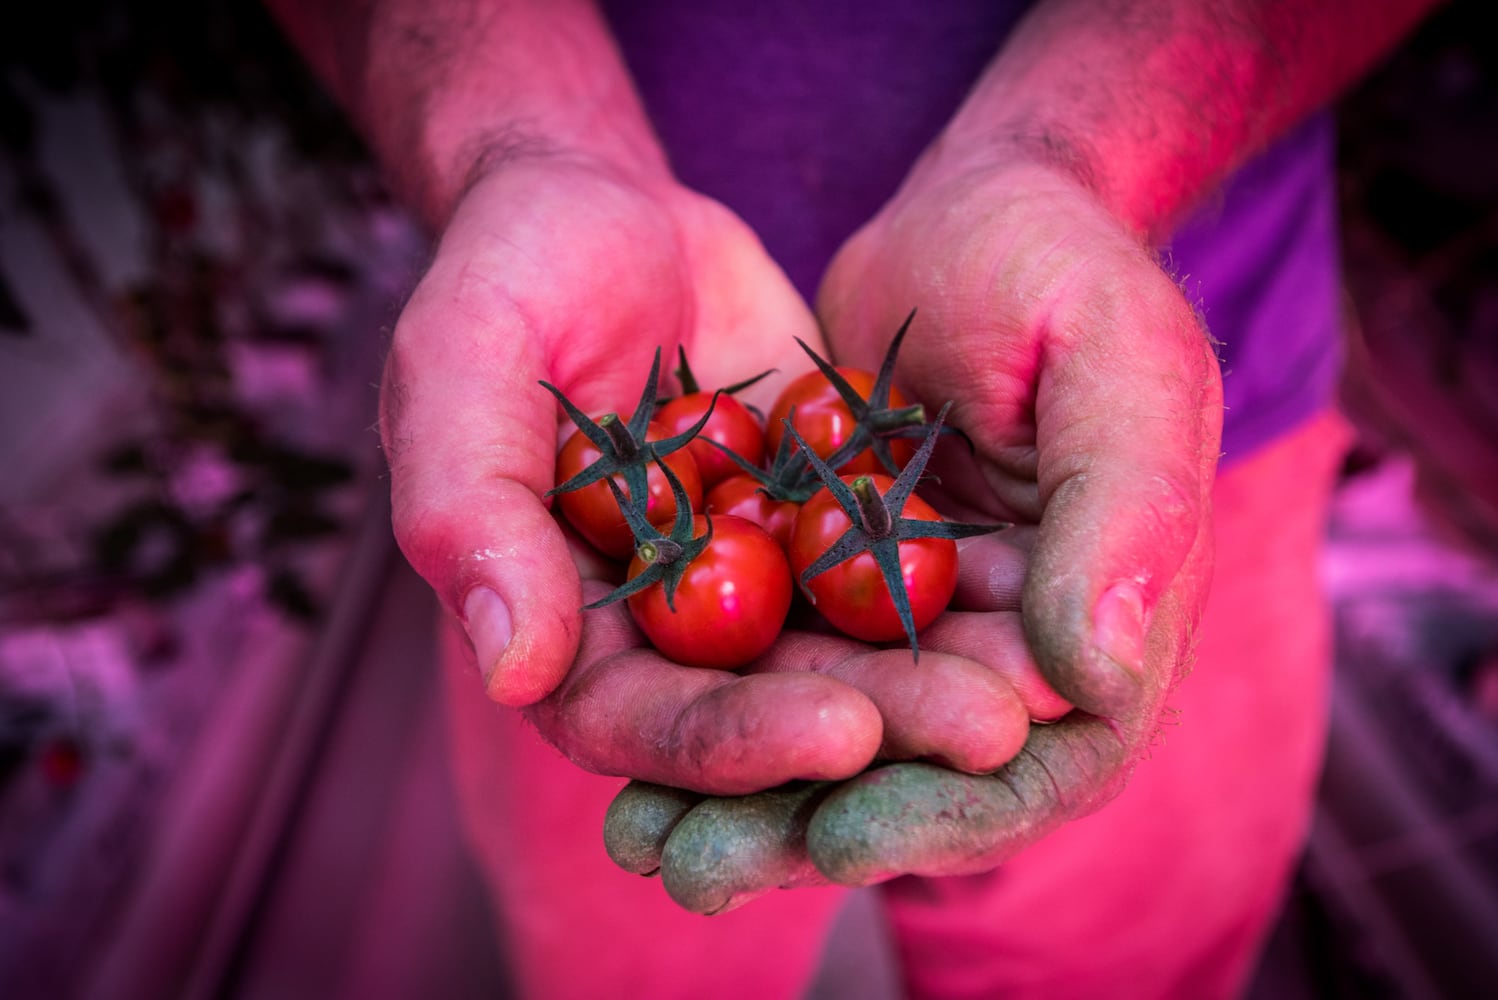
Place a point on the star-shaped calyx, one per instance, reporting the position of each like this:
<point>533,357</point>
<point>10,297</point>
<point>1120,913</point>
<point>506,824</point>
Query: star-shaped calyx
<point>689,384</point>
<point>875,421</point>
<point>666,557</point>
<point>878,525</point>
<point>625,452</point>
<point>790,476</point>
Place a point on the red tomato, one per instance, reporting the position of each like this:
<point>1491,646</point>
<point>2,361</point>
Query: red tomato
<point>593,511</point>
<point>825,421</point>
<point>852,595</point>
<point>731,601</point>
<point>740,496</point>
<point>731,425</point>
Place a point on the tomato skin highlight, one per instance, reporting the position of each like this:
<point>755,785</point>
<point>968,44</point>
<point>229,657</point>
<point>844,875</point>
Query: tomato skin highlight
<point>741,496</point>
<point>593,511</point>
<point>825,421</point>
<point>730,604</point>
<point>731,425</point>
<point>852,595</point>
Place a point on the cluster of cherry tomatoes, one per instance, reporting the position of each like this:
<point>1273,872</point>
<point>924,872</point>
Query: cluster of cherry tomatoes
<point>722,514</point>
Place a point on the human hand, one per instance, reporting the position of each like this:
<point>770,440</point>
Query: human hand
<point>566,270</point>
<point>1093,402</point>
<point>1093,399</point>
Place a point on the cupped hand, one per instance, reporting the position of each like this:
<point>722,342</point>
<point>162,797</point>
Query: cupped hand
<point>1092,399</point>
<point>568,271</point>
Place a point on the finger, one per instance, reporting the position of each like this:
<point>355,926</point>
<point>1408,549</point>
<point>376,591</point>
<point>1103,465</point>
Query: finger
<point>961,491</point>
<point>638,822</point>
<point>991,570</point>
<point>984,624</point>
<point>1128,418</point>
<point>626,710</point>
<point>924,820</point>
<point>469,435</point>
<point>996,640</point>
<point>947,709</point>
<point>726,852</point>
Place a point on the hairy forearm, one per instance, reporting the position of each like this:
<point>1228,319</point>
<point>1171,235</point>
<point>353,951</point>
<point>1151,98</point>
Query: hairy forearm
<point>1150,102</point>
<point>443,88</point>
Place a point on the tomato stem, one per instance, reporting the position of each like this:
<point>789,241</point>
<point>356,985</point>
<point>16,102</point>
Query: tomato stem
<point>659,551</point>
<point>624,443</point>
<point>888,420</point>
<point>878,523</point>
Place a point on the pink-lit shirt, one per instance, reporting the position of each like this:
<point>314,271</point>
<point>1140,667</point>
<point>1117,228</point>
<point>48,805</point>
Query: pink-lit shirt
<point>804,118</point>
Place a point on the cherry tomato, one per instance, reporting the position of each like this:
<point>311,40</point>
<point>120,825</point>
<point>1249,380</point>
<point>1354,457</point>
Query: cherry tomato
<point>825,421</point>
<point>852,595</point>
<point>731,425</point>
<point>741,496</point>
<point>593,511</point>
<point>730,603</point>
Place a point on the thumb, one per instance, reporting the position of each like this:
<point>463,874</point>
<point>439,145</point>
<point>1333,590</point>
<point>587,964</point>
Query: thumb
<point>470,439</point>
<point>1128,422</point>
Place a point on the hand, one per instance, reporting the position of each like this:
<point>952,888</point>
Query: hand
<point>1093,401</point>
<point>566,270</point>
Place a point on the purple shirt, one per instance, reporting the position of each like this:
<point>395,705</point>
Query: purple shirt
<point>805,117</point>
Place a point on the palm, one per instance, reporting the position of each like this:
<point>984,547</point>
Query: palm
<point>602,270</point>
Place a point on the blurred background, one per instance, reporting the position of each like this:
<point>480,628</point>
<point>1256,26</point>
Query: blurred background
<point>221,756</point>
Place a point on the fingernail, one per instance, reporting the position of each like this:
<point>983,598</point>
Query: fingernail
<point>487,619</point>
<point>1118,627</point>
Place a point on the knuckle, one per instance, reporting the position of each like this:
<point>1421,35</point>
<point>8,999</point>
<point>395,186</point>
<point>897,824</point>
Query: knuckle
<point>424,527</point>
<point>1169,512</point>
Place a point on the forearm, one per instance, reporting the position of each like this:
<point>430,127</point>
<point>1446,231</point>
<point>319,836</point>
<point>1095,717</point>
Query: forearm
<point>1150,102</point>
<point>443,88</point>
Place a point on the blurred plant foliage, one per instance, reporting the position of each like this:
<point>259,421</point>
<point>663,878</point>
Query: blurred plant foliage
<point>190,94</point>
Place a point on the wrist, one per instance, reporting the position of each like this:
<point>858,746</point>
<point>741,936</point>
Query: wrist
<point>445,91</point>
<point>1151,103</point>
<point>1010,177</point>
<point>1146,183</point>
<point>1147,104</point>
<point>437,157</point>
